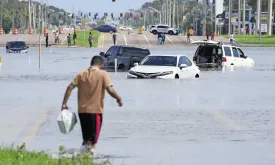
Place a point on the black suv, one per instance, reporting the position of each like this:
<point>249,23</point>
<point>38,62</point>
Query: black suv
<point>126,57</point>
<point>16,47</point>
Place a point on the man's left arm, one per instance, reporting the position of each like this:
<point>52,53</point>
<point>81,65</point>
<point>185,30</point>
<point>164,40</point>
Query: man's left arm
<point>68,92</point>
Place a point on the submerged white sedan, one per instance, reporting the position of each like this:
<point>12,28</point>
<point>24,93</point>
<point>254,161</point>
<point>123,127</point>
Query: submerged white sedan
<point>164,67</point>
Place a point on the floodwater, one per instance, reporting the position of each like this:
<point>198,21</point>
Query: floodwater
<point>222,118</point>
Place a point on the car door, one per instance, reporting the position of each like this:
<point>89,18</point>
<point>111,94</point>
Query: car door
<point>243,58</point>
<point>184,72</point>
<point>160,29</point>
<point>228,58</point>
<point>237,60</point>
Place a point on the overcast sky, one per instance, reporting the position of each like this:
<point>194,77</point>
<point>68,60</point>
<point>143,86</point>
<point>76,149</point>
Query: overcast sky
<point>98,5</point>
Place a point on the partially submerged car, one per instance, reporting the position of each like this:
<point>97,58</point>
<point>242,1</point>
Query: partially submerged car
<point>16,47</point>
<point>126,57</point>
<point>217,54</point>
<point>164,67</point>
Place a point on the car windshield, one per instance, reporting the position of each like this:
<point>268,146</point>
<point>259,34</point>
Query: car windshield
<point>17,45</point>
<point>160,61</point>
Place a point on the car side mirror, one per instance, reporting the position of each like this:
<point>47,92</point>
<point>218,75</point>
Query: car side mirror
<point>27,47</point>
<point>107,55</point>
<point>135,64</point>
<point>101,53</point>
<point>183,66</point>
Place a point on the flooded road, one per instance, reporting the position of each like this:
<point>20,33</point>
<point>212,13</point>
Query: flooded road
<point>222,118</point>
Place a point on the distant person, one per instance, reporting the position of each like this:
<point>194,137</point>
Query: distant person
<point>207,36</point>
<point>231,37</point>
<point>114,38</point>
<point>91,85</point>
<point>56,37</point>
<point>188,37</point>
<point>163,39</point>
<point>69,39</point>
<point>212,36</point>
<point>47,39</point>
<point>74,38</point>
<point>159,39</point>
<point>91,39</point>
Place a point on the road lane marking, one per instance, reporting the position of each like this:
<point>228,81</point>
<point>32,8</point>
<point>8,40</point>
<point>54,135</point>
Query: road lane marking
<point>32,132</point>
<point>125,39</point>
<point>169,40</point>
<point>147,40</point>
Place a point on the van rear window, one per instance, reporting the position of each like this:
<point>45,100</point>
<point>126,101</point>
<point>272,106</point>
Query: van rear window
<point>227,51</point>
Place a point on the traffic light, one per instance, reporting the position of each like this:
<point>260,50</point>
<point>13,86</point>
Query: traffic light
<point>121,14</point>
<point>73,16</point>
<point>112,15</point>
<point>89,14</point>
<point>81,14</point>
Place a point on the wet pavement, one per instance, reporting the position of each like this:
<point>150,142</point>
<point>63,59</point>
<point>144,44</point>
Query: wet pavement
<point>221,118</point>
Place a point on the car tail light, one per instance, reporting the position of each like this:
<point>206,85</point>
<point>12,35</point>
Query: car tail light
<point>224,59</point>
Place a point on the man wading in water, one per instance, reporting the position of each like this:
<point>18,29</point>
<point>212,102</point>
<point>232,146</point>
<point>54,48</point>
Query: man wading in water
<point>91,85</point>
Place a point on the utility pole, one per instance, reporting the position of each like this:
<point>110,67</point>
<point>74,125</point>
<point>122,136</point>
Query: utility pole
<point>13,14</point>
<point>174,13</point>
<point>34,17</point>
<point>178,16</point>
<point>269,23</point>
<point>170,13</point>
<point>258,15</point>
<point>239,17</point>
<point>229,17</point>
<point>2,7</point>
<point>40,32</point>
<point>244,31</point>
<point>204,19</point>
<point>30,19</point>
<point>260,22</point>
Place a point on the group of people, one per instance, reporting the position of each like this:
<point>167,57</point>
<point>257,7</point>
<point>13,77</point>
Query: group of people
<point>161,39</point>
<point>69,39</point>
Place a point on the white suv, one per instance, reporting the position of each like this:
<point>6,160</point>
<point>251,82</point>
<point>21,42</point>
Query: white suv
<point>216,54</point>
<point>164,29</point>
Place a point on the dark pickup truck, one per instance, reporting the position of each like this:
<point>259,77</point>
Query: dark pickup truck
<point>126,57</point>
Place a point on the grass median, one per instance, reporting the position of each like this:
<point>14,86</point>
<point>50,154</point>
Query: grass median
<point>82,38</point>
<point>20,156</point>
<point>254,40</point>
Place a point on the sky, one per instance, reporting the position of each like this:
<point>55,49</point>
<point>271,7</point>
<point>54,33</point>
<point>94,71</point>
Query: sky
<point>99,6</point>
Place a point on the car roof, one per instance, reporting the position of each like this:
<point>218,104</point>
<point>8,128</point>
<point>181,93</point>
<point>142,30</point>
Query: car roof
<point>124,46</point>
<point>209,42</point>
<point>16,41</point>
<point>171,55</point>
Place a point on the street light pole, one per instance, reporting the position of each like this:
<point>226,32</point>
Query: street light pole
<point>30,20</point>
<point>239,17</point>
<point>244,31</point>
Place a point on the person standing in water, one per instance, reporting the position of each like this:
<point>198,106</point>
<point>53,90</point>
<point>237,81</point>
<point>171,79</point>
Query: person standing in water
<point>91,85</point>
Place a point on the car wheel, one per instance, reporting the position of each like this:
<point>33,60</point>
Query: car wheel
<point>177,76</point>
<point>154,32</point>
<point>197,76</point>
<point>170,32</point>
